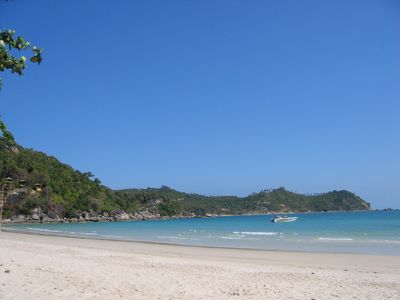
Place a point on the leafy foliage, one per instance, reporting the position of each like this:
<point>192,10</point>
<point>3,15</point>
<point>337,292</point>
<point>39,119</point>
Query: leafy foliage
<point>7,135</point>
<point>8,60</point>
<point>9,43</point>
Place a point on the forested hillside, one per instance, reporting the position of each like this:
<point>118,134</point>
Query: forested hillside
<point>44,188</point>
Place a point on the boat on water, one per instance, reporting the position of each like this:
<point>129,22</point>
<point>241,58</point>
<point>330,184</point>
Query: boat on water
<point>282,219</point>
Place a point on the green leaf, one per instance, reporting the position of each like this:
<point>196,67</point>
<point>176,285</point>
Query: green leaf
<point>34,59</point>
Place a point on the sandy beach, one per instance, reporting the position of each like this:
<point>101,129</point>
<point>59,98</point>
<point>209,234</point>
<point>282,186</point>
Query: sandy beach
<point>37,267</point>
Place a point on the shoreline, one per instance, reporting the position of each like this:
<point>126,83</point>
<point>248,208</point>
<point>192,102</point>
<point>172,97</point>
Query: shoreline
<point>290,238</point>
<point>71,236</point>
<point>88,268</point>
<point>176,244</point>
<point>82,241</point>
<point>165,218</point>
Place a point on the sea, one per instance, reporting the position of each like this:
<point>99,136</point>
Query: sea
<point>369,232</point>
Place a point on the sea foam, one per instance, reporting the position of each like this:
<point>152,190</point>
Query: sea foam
<point>334,239</point>
<point>255,233</point>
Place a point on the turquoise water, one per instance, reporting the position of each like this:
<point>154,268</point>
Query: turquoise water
<point>374,232</point>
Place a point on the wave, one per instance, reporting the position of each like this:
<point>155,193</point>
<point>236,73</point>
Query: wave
<point>255,233</point>
<point>231,237</point>
<point>44,230</point>
<point>334,239</point>
<point>61,231</point>
<point>386,241</point>
<point>379,241</point>
<point>175,238</point>
<point>237,235</point>
<point>84,233</point>
<point>111,236</point>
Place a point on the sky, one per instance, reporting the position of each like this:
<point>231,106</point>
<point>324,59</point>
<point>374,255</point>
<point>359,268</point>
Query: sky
<point>214,97</point>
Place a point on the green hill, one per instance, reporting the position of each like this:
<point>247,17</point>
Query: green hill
<point>43,185</point>
<point>275,200</point>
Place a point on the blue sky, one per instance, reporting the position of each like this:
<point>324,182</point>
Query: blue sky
<point>214,97</point>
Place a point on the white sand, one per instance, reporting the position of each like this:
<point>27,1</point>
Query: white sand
<point>44,267</point>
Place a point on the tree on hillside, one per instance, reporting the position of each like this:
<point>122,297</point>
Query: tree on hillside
<point>9,60</point>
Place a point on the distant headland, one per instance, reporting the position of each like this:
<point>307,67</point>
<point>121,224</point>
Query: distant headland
<point>42,189</point>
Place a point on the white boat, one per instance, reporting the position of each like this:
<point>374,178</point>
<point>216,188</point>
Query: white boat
<point>281,219</point>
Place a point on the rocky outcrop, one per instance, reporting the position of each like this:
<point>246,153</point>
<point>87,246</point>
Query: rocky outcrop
<point>18,219</point>
<point>37,216</point>
<point>119,215</point>
<point>54,210</point>
<point>46,219</point>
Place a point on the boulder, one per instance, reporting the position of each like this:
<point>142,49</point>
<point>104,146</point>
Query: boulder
<point>119,214</point>
<point>145,215</point>
<point>122,216</point>
<point>55,210</point>
<point>18,218</point>
<point>52,220</point>
<point>35,214</point>
<point>53,215</point>
<point>136,216</point>
<point>87,216</point>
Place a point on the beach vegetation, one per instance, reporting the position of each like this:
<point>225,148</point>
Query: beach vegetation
<point>11,46</point>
